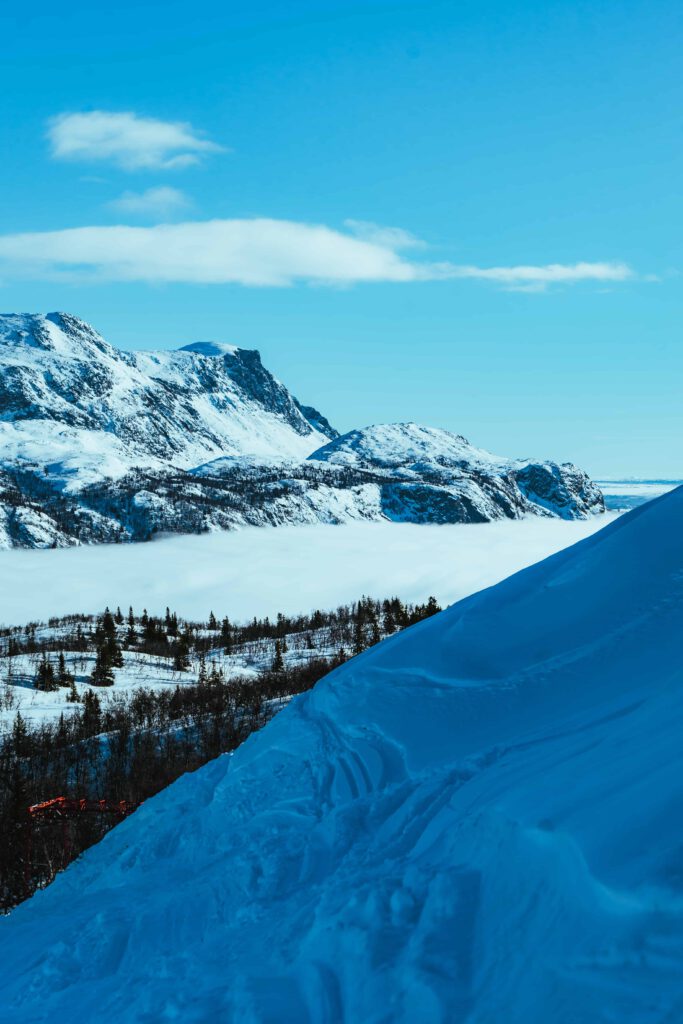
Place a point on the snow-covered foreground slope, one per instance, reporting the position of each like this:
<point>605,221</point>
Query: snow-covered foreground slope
<point>477,820</point>
<point>264,571</point>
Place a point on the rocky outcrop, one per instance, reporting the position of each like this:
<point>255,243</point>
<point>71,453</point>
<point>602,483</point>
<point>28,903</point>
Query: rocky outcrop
<point>100,445</point>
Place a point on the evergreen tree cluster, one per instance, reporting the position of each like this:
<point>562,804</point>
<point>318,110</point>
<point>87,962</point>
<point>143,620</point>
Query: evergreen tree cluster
<point>130,744</point>
<point>123,750</point>
<point>350,628</point>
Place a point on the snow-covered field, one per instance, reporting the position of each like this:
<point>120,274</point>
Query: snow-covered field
<point>18,692</point>
<point>262,571</point>
<point>247,661</point>
<point>476,820</point>
<point>625,494</point>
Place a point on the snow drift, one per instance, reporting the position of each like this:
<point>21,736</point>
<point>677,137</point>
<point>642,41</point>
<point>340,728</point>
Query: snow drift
<point>477,820</point>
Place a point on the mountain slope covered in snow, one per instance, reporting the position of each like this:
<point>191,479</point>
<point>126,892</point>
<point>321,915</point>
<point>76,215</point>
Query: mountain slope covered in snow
<point>426,474</point>
<point>81,409</point>
<point>476,820</point>
<point>102,445</point>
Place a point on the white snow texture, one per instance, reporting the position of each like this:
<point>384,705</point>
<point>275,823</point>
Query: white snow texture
<point>478,820</point>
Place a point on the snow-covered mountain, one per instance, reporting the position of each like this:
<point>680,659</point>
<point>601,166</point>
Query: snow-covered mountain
<point>426,470</point>
<point>77,409</point>
<point>102,445</point>
<point>476,820</point>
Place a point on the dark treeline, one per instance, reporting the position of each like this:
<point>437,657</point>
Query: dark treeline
<point>134,743</point>
<point>353,626</point>
<point>238,494</point>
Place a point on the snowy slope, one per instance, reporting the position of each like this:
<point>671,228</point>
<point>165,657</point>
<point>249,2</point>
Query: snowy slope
<point>476,821</point>
<point>425,468</point>
<point>407,446</point>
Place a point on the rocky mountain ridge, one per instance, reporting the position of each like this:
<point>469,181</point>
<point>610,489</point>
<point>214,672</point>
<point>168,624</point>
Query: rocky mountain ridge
<point>98,445</point>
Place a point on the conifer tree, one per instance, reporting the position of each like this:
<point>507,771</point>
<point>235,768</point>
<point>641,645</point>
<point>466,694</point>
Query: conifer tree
<point>226,635</point>
<point>103,672</point>
<point>181,652</point>
<point>358,636</point>
<point>92,712</point>
<point>202,676</point>
<point>107,624</point>
<point>114,652</point>
<point>72,696</point>
<point>64,677</point>
<point>45,676</point>
<point>152,629</point>
<point>131,637</point>
<point>20,736</point>
<point>81,644</point>
<point>278,661</point>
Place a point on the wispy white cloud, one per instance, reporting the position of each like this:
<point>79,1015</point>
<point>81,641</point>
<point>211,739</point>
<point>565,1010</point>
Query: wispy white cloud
<point>260,252</point>
<point>391,238</point>
<point>127,140</point>
<point>528,277</point>
<point>152,202</point>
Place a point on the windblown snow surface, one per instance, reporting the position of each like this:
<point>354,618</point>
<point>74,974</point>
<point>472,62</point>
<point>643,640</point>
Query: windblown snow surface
<point>477,820</point>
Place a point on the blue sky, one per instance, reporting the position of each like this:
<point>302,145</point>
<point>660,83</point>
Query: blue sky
<point>464,214</point>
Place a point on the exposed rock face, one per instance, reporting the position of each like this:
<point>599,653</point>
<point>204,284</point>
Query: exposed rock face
<point>429,475</point>
<point>71,402</point>
<point>317,420</point>
<point>101,445</point>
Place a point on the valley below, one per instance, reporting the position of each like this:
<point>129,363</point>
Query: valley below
<point>263,571</point>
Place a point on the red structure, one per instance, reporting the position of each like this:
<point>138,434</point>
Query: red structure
<point>61,807</point>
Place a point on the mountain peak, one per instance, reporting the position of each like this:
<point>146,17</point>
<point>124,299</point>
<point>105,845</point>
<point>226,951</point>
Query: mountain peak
<point>400,444</point>
<point>216,349</point>
<point>55,332</point>
<point>74,412</point>
<point>117,410</point>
